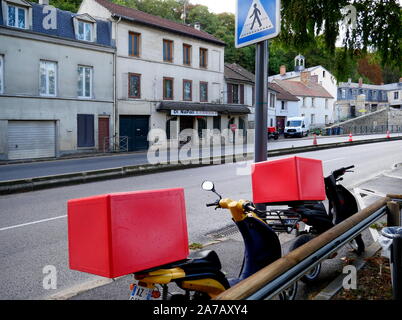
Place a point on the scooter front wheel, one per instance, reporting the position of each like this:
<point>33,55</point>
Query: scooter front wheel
<point>314,273</point>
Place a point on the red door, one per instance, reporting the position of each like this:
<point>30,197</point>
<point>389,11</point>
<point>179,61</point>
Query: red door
<point>103,134</point>
<point>280,124</point>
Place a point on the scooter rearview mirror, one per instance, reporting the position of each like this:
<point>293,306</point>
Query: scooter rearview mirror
<point>208,186</point>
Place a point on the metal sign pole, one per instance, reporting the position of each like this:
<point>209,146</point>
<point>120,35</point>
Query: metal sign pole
<point>261,106</point>
<point>261,102</point>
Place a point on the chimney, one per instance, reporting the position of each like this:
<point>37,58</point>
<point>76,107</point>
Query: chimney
<point>305,77</point>
<point>282,70</point>
<point>197,26</point>
<point>44,2</point>
<point>360,82</point>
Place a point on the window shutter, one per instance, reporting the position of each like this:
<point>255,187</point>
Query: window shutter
<point>90,123</point>
<point>230,93</point>
<point>242,94</point>
<point>80,130</point>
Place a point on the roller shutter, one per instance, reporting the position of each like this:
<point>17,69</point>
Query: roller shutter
<point>31,139</point>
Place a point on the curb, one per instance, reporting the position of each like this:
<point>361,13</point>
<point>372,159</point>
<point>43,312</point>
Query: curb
<point>336,285</point>
<point>39,183</point>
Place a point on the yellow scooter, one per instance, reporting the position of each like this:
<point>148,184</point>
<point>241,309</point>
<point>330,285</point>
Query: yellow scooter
<point>201,277</point>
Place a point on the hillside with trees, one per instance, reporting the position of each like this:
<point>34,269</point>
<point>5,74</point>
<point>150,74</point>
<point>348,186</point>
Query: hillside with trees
<point>373,50</point>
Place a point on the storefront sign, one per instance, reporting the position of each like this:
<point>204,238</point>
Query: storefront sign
<point>194,113</point>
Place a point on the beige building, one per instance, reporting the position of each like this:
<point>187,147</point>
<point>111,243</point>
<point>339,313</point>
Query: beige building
<point>56,82</point>
<point>168,75</point>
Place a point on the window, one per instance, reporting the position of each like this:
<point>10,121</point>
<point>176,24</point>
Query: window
<point>134,85</point>
<point>272,101</point>
<point>283,105</point>
<point>326,119</point>
<point>235,93</point>
<point>1,74</point>
<point>85,31</point>
<point>343,92</point>
<point>187,54</point>
<point>323,74</point>
<point>396,95</point>
<point>167,50</point>
<point>203,58</point>
<point>168,88</point>
<point>85,130</point>
<point>313,102</point>
<point>17,17</point>
<point>304,102</point>
<point>374,95</point>
<point>134,44</point>
<point>84,82</point>
<point>326,103</point>
<point>187,90</point>
<point>203,91</point>
<point>48,78</point>
<point>313,118</point>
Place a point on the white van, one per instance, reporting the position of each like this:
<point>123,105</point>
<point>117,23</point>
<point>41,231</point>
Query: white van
<point>296,127</point>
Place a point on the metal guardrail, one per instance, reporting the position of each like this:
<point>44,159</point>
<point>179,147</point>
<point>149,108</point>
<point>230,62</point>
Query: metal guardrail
<point>282,273</point>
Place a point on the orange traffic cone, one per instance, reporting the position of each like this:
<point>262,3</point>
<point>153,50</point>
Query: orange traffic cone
<point>388,135</point>
<point>315,140</point>
<point>350,137</point>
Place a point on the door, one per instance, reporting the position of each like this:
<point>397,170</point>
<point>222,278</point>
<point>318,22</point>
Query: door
<point>31,139</point>
<point>280,124</point>
<point>136,128</point>
<point>186,123</point>
<point>103,134</point>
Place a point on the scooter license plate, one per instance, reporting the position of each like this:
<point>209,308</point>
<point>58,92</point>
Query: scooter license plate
<point>141,293</point>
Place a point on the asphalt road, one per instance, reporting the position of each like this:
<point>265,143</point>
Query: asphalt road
<point>46,168</point>
<point>33,229</point>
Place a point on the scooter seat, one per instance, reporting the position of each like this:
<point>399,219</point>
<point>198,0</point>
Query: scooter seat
<point>206,259</point>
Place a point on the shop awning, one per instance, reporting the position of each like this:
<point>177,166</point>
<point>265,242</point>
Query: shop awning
<point>206,109</point>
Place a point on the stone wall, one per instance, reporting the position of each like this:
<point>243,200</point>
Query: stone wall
<point>379,121</point>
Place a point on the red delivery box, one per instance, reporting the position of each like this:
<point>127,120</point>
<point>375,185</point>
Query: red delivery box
<point>118,234</point>
<point>291,179</point>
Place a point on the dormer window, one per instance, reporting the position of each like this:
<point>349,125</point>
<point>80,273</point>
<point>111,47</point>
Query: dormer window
<point>85,31</point>
<point>17,14</point>
<point>85,28</point>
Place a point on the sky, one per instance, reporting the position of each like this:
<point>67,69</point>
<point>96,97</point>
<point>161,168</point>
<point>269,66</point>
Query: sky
<point>217,6</point>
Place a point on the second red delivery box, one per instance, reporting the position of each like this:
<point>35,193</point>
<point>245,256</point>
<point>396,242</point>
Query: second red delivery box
<point>118,234</point>
<point>287,180</point>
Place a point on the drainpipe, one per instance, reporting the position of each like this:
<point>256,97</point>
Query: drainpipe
<point>116,112</point>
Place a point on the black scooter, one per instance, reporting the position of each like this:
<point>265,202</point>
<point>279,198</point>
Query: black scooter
<point>310,219</point>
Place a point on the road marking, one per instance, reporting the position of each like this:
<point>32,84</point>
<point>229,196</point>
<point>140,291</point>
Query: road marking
<point>31,223</point>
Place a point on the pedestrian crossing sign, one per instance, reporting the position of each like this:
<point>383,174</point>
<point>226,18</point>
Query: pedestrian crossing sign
<point>256,21</point>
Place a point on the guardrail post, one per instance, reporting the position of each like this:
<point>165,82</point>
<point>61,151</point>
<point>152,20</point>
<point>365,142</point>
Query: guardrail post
<point>394,214</point>
<point>394,219</point>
